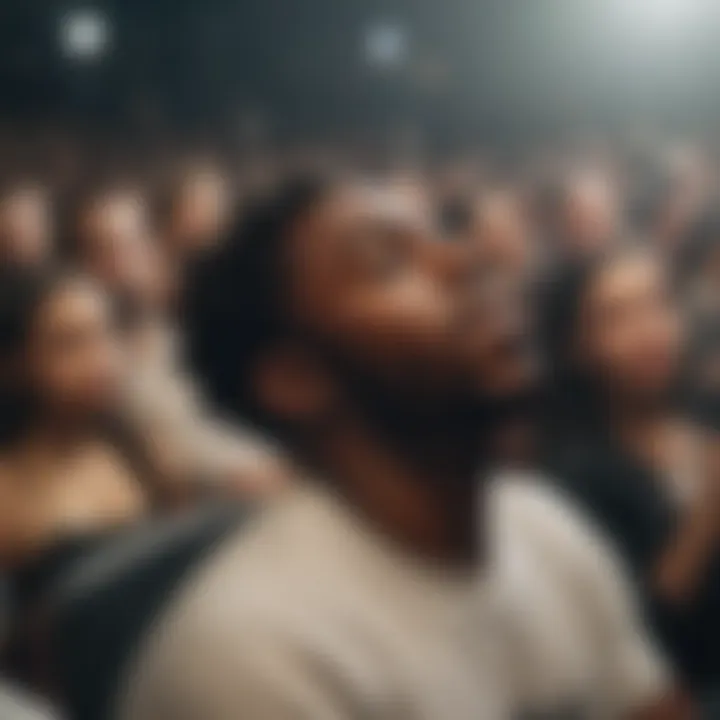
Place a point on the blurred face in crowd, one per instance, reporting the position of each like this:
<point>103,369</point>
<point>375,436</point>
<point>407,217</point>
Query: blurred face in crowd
<point>502,232</point>
<point>691,179</point>
<point>200,211</point>
<point>589,215</point>
<point>630,330</point>
<point>25,226</point>
<point>72,360</point>
<point>677,214</point>
<point>119,249</point>
<point>402,321</point>
<point>710,274</point>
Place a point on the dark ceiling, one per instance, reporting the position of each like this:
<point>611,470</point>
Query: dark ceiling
<point>495,65</point>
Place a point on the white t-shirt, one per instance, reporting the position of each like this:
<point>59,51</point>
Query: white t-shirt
<point>17,705</point>
<point>310,615</point>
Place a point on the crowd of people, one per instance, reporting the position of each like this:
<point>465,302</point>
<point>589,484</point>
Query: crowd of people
<point>469,407</point>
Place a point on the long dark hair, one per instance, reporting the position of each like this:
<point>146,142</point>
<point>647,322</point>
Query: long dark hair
<point>574,411</point>
<point>23,291</point>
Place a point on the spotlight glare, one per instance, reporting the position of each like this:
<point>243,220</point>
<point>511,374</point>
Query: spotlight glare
<point>84,34</point>
<point>385,45</point>
<point>665,14</point>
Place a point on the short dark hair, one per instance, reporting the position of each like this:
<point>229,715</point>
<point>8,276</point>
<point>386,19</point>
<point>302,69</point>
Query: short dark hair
<point>234,307</point>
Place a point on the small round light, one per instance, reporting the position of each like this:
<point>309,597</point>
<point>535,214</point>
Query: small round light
<point>385,45</point>
<point>84,34</point>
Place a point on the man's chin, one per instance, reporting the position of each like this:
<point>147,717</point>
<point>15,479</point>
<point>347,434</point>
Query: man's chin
<point>515,376</point>
<point>511,396</point>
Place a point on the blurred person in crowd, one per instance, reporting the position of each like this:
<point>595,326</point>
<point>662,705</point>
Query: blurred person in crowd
<point>454,189</point>
<point>654,211</point>
<point>61,368</point>
<point>387,586</point>
<point>196,211</point>
<point>26,226</point>
<point>111,238</point>
<point>698,269</point>
<point>455,216</point>
<point>582,215</point>
<point>701,381</point>
<point>501,230</point>
<point>625,450</point>
<point>668,199</point>
<point>71,473</point>
<point>698,282</point>
<point>691,184</point>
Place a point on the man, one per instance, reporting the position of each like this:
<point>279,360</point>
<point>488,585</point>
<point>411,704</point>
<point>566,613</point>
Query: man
<point>384,587</point>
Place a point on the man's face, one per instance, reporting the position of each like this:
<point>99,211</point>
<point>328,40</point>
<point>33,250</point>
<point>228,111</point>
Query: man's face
<point>422,318</point>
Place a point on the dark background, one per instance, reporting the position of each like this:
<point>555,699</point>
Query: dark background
<point>498,68</point>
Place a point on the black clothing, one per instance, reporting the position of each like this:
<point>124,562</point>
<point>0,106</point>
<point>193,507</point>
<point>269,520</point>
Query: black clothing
<point>631,505</point>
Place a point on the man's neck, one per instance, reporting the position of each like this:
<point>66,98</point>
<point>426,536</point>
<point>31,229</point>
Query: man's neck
<point>423,493</point>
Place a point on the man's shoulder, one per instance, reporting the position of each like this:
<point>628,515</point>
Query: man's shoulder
<point>536,499</point>
<point>222,640</point>
<point>242,599</point>
<point>260,575</point>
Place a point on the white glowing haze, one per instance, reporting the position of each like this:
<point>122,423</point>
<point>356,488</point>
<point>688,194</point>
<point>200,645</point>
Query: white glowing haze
<point>84,34</point>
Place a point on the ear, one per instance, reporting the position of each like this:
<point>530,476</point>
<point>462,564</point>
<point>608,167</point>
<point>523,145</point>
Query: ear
<point>292,384</point>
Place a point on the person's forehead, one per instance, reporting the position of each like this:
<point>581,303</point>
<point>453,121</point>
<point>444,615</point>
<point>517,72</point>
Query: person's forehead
<point>118,209</point>
<point>373,202</point>
<point>332,236</point>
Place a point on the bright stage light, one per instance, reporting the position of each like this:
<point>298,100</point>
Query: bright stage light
<point>665,15</point>
<point>385,45</point>
<point>84,34</point>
